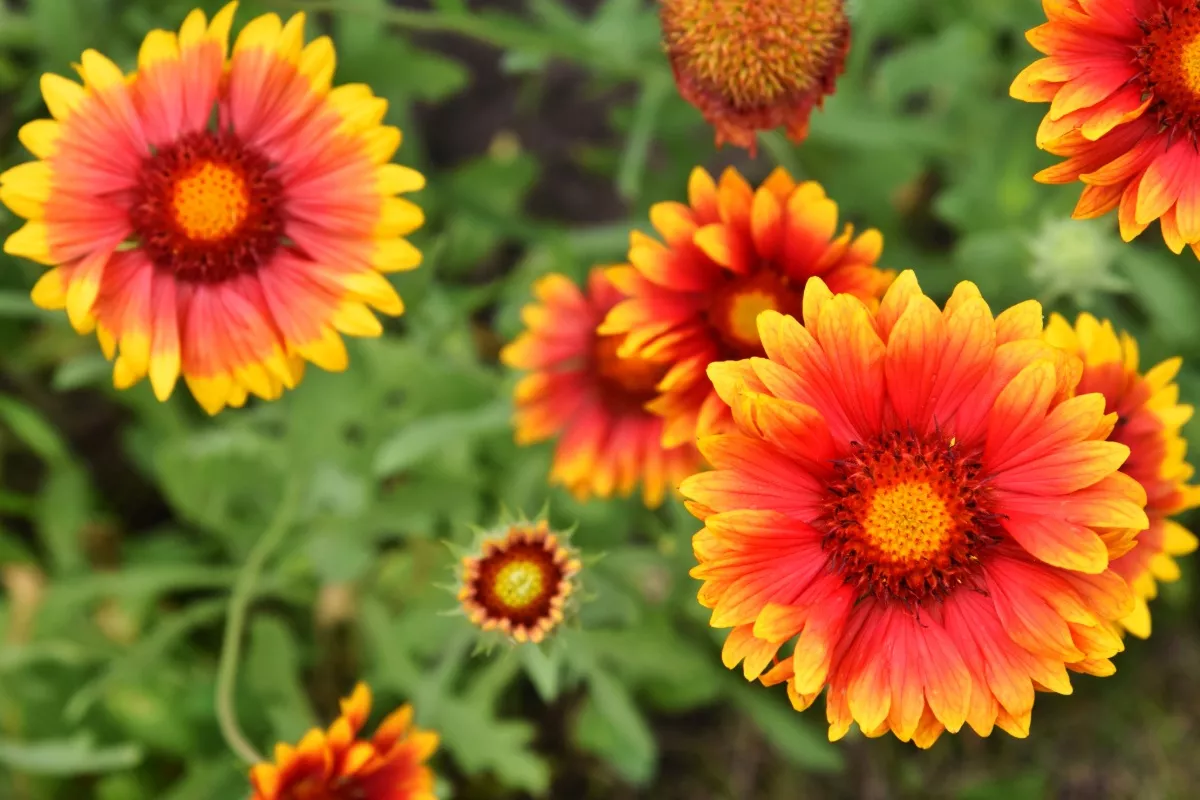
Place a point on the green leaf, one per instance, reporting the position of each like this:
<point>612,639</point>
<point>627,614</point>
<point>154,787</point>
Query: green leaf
<point>77,755</point>
<point>543,667</point>
<point>273,677</point>
<point>480,743</point>
<point>793,736</point>
<point>655,90</point>
<point>144,710</point>
<point>17,305</point>
<point>339,556</point>
<point>86,370</point>
<point>611,726</point>
<point>64,507</point>
<point>420,440</point>
<point>32,429</point>
<point>1165,292</point>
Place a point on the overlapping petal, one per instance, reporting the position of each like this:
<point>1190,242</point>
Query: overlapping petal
<point>337,762</point>
<point>857,420</point>
<point>580,390</point>
<point>1124,110</point>
<point>231,255</point>
<point>730,253</point>
<point>1150,422</point>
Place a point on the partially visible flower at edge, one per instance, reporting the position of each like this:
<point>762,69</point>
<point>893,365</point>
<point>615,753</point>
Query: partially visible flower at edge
<point>518,580</point>
<point>1149,420</point>
<point>579,390</point>
<point>917,502</point>
<point>337,763</point>
<point>1124,110</point>
<point>221,217</point>
<point>755,66</point>
<point>730,253</point>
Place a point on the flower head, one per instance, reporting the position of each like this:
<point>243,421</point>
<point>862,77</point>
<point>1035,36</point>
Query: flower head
<point>519,581</point>
<point>751,66</point>
<point>729,254</point>
<point>1076,259</point>
<point>224,216</point>
<point>1124,94</point>
<point>920,496</point>
<point>336,763</point>
<point>1149,419</point>
<point>579,390</point>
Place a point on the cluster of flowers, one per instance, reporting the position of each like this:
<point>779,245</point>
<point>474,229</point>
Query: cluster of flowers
<point>931,512</point>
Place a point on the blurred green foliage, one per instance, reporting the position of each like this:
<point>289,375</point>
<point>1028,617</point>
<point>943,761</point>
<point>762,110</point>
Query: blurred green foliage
<point>123,521</point>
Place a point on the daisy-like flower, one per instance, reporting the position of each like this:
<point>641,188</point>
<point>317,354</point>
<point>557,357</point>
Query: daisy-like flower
<point>1124,98</point>
<point>755,66</point>
<point>578,389</point>
<point>730,253</point>
<point>519,581</point>
<point>221,216</point>
<point>336,763</point>
<point>1149,420</point>
<point>920,496</point>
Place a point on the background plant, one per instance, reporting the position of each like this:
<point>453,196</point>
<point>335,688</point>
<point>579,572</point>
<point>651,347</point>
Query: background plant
<point>546,129</point>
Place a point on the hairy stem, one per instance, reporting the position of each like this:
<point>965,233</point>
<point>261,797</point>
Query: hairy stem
<point>235,621</point>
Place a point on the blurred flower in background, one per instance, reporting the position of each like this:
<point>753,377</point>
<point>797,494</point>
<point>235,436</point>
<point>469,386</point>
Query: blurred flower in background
<point>917,495</point>
<point>1124,98</point>
<point>1149,420</point>
<point>730,253</point>
<point>519,581</point>
<point>1076,260</point>
<point>755,66</point>
<point>336,763</point>
<point>594,401</point>
<point>228,251</point>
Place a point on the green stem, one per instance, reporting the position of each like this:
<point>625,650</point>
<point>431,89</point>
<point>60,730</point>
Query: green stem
<point>235,622</point>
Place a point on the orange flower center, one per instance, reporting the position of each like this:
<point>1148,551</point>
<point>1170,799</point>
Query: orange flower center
<point>1170,59</point>
<point>626,384</point>
<point>907,522</point>
<point>906,517</point>
<point>210,202</point>
<point>208,208</point>
<point>735,309</point>
<point>519,583</point>
<point>753,52</point>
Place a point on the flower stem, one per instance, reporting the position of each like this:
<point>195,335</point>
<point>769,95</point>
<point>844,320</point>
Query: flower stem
<point>235,621</point>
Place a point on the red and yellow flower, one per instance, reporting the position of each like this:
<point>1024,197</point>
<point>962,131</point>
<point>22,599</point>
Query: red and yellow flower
<point>579,390</point>
<point>519,582</point>
<point>921,496</point>
<point>1124,96</point>
<point>755,66</point>
<point>729,254</point>
<point>221,216</point>
<point>336,763</point>
<point>1149,420</point>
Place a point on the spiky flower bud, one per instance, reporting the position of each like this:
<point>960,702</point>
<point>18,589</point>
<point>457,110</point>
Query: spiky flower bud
<point>518,580</point>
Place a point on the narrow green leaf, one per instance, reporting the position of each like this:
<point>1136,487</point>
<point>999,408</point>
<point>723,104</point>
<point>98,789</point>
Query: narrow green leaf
<point>77,755</point>
<point>424,438</point>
